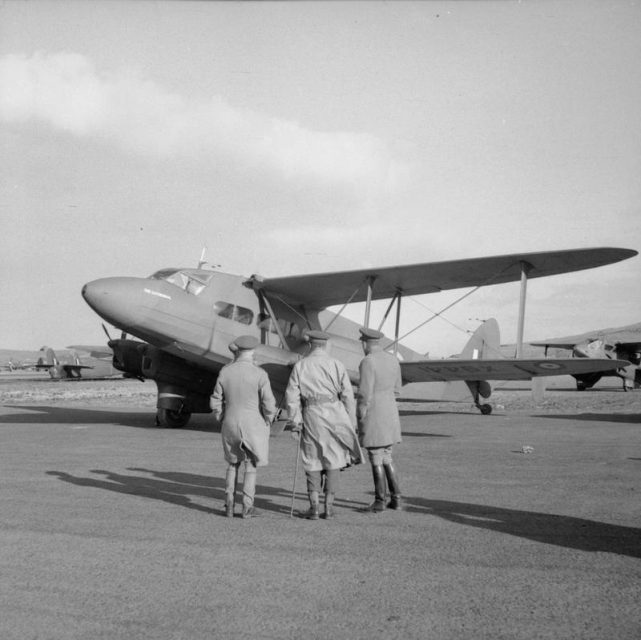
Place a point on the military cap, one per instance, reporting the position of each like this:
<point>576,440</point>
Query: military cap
<point>317,336</point>
<point>245,343</point>
<point>232,346</point>
<point>370,334</point>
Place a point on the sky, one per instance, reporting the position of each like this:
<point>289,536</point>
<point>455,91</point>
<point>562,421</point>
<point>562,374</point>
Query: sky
<point>307,137</point>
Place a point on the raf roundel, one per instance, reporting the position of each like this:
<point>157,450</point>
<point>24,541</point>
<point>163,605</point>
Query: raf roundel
<point>549,365</point>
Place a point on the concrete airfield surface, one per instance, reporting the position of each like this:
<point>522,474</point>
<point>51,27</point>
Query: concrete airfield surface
<point>112,528</point>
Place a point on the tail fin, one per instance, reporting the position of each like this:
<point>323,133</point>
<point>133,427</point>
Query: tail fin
<point>49,359</point>
<point>483,344</point>
<point>49,362</point>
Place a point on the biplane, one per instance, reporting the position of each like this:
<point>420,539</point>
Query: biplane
<point>616,343</point>
<point>183,320</point>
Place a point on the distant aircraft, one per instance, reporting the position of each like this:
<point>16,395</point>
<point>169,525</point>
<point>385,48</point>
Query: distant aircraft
<point>94,365</point>
<point>17,360</point>
<point>620,343</point>
<point>187,317</point>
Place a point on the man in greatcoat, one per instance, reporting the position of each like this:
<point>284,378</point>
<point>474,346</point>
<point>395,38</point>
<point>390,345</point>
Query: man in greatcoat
<point>320,403</point>
<point>379,425</point>
<point>244,401</point>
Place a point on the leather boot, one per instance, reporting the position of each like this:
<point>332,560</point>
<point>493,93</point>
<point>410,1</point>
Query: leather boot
<point>329,506</point>
<point>394,489</point>
<point>230,489</point>
<point>312,513</point>
<point>331,482</point>
<point>379,489</point>
<point>249,491</point>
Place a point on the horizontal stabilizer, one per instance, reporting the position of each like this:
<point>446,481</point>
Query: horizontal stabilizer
<point>75,367</point>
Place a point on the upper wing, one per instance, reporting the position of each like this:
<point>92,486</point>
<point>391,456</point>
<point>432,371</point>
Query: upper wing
<point>322,290</point>
<point>504,369</point>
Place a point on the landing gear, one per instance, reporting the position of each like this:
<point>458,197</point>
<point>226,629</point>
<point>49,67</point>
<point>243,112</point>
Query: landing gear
<point>174,419</point>
<point>485,409</point>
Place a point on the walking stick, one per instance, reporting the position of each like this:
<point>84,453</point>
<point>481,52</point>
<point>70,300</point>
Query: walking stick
<point>291,511</point>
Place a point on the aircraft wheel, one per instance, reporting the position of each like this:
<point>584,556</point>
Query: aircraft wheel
<point>486,409</point>
<point>173,419</point>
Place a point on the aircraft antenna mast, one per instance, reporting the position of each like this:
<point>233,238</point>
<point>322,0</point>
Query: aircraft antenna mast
<point>202,262</point>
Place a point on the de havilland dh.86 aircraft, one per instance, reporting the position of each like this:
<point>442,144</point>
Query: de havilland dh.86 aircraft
<point>620,343</point>
<point>186,319</point>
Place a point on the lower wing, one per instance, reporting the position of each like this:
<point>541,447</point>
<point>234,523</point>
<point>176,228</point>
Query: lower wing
<point>503,369</point>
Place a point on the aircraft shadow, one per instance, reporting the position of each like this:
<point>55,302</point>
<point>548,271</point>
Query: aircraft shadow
<point>183,489</point>
<point>562,531</point>
<point>425,412</point>
<point>629,418</point>
<point>37,414</point>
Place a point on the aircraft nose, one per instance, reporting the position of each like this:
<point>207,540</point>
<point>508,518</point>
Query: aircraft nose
<point>114,299</point>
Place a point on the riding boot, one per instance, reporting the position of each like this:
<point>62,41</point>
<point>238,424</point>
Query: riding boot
<point>312,514</point>
<point>379,489</point>
<point>394,489</point>
<point>249,491</point>
<point>331,480</point>
<point>230,489</point>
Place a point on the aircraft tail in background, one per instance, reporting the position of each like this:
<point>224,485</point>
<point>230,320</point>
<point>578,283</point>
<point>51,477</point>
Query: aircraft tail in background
<point>484,344</point>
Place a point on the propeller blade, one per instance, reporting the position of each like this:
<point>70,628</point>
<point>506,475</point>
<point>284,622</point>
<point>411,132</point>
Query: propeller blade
<point>105,330</point>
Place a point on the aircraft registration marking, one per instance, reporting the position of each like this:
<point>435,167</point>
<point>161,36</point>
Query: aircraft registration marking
<point>466,367</point>
<point>157,294</point>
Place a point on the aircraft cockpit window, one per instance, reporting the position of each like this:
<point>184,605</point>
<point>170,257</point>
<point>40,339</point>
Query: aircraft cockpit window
<point>186,281</point>
<point>233,312</point>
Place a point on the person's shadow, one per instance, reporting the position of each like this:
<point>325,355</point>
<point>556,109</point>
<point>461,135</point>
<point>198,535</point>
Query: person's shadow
<point>563,531</point>
<point>178,488</point>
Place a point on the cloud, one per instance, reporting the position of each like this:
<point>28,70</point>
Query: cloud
<point>65,91</point>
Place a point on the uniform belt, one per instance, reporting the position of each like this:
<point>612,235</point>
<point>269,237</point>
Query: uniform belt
<point>319,400</point>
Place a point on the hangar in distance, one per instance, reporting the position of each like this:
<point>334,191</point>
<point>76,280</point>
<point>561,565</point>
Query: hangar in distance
<point>185,318</point>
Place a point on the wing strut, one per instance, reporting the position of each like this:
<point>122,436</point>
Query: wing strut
<point>331,322</point>
<point>396,299</point>
<point>398,322</point>
<point>525,269</point>
<point>368,304</point>
<point>272,315</point>
<point>389,308</point>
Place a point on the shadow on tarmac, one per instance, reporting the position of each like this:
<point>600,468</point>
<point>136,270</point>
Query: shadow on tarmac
<point>629,418</point>
<point>562,531</point>
<point>416,434</point>
<point>178,488</point>
<point>36,414</point>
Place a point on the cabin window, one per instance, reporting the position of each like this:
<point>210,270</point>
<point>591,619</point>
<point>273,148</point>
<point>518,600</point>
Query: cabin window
<point>224,309</point>
<point>233,312</point>
<point>243,315</point>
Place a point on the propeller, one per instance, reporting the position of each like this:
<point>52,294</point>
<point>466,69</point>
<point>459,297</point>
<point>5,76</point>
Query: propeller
<point>123,335</point>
